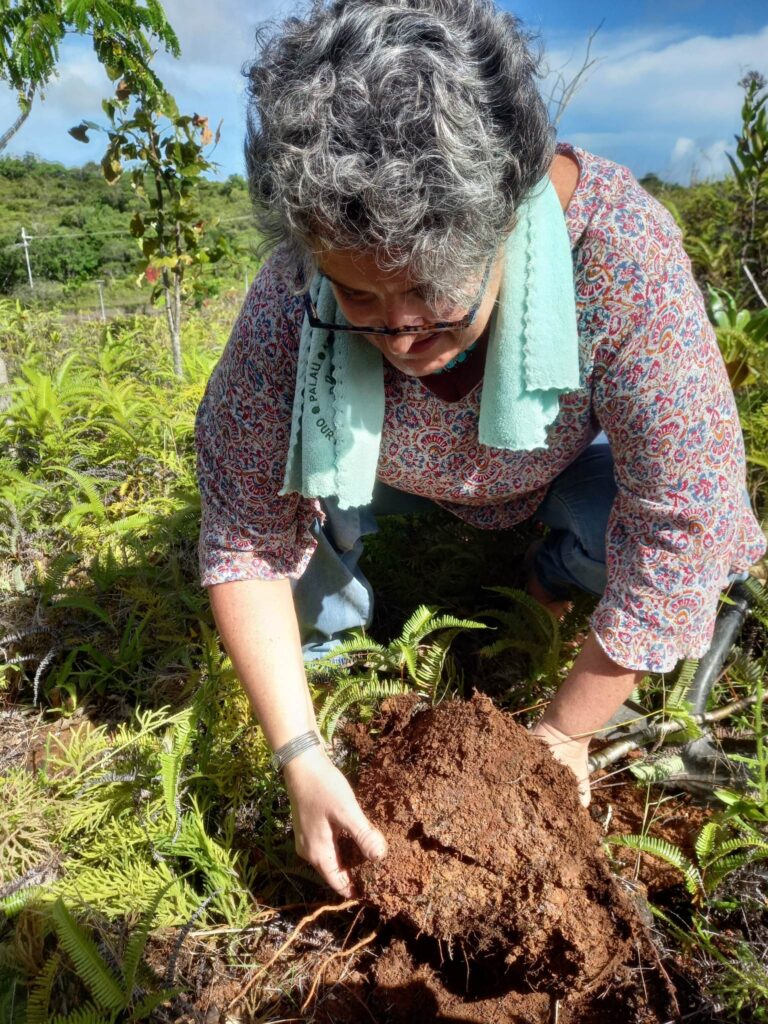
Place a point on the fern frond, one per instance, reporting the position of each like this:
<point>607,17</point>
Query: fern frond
<point>667,852</point>
<point>429,671</point>
<point>356,691</point>
<point>82,950</point>
<point>88,1014</point>
<point>138,940</point>
<point>144,1009</point>
<point>676,701</point>
<point>171,761</point>
<point>705,841</point>
<point>356,649</point>
<point>451,622</point>
<point>15,903</point>
<point>759,594</point>
<point>529,647</point>
<point>719,871</point>
<point>544,620</point>
<point>750,844</point>
<point>39,997</point>
<point>417,625</point>
<point>94,504</point>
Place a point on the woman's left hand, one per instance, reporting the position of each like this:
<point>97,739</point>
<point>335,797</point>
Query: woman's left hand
<point>573,753</point>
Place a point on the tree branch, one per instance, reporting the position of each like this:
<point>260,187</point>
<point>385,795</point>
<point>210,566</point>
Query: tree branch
<point>26,108</point>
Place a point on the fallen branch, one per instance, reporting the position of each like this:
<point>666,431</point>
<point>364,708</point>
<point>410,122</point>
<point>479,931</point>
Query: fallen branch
<point>642,737</point>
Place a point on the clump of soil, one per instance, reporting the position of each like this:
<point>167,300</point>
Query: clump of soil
<point>493,859</point>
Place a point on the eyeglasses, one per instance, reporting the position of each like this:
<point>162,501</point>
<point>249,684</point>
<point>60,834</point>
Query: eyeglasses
<point>438,325</point>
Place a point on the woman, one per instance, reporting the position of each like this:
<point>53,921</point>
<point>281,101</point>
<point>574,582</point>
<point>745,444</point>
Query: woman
<point>491,303</point>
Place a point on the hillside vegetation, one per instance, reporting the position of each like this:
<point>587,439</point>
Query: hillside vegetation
<point>80,228</point>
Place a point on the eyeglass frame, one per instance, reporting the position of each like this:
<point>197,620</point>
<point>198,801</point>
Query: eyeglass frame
<point>440,325</point>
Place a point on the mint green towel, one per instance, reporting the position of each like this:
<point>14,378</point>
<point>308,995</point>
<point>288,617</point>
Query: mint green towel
<point>533,356</point>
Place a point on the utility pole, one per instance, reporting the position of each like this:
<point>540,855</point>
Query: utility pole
<point>25,240</point>
<point>101,300</point>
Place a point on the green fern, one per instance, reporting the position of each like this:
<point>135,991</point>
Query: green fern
<point>667,852</point>
<point>706,841</point>
<point>544,648</point>
<point>676,700</point>
<point>15,903</point>
<point>113,994</point>
<point>89,963</point>
<point>88,1014</point>
<point>39,997</point>
<point>759,594</point>
<point>352,692</point>
<point>171,761</point>
<point>416,663</point>
<point>134,950</point>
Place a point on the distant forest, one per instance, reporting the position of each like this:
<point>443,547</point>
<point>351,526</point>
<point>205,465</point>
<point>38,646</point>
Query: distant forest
<point>80,225</point>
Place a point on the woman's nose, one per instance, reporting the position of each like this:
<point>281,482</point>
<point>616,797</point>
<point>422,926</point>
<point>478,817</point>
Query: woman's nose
<point>403,313</point>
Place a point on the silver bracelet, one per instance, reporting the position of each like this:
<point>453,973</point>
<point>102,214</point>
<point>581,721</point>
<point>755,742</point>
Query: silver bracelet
<point>293,748</point>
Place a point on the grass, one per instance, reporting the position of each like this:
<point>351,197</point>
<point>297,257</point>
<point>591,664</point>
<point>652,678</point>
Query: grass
<point>134,781</point>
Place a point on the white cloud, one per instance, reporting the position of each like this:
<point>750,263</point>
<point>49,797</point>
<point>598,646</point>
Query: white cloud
<point>216,39</point>
<point>683,91</point>
<point>652,94</point>
<point>697,160</point>
<point>681,149</point>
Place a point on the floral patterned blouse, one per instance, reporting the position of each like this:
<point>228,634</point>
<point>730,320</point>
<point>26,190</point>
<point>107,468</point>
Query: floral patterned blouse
<point>651,377</point>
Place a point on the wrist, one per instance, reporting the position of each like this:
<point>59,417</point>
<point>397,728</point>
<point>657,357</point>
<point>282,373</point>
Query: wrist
<point>555,734</point>
<point>289,750</point>
<point>307,763</point>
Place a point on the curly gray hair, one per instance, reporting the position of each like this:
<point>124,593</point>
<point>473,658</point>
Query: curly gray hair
<point>411,129</point>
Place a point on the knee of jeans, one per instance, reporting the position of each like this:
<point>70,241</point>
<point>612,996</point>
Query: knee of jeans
<point>564,562</point>
<point>344,528</point>
<point>587,526</point>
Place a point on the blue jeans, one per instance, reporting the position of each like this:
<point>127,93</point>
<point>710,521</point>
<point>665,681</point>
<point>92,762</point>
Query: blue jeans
<point>333,596</point>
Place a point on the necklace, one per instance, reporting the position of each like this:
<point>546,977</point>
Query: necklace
<point>457,359</point>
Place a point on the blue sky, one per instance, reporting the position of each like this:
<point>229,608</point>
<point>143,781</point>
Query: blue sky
<point>663,95</point>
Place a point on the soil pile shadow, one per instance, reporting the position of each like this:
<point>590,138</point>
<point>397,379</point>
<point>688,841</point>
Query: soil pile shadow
<point>503,905</point>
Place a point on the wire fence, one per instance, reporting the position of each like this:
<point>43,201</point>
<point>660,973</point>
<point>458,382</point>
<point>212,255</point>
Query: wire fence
<point>104,303</point>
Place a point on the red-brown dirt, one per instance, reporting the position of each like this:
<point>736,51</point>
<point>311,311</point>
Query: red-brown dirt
<point>504,903</point>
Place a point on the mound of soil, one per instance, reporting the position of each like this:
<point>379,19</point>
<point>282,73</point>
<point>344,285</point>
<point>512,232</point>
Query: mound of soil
<point>495,878</point>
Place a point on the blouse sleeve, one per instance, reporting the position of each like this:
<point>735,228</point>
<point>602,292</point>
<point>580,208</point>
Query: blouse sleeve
<point>242,430</point>
<point>680,522</point>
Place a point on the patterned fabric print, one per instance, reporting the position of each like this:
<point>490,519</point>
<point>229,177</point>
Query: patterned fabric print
<point>651,377</point>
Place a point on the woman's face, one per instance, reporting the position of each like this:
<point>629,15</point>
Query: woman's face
<point>367,295</point>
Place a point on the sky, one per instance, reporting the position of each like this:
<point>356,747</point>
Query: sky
<point>662,97</point>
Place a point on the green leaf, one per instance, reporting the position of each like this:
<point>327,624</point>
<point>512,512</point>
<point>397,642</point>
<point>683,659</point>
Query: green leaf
<point>90,966</point>
<point>40,995</point>
<point>111,168</point>
<point>667,852</point>
<point>85,603</point>
<point>138,940</point>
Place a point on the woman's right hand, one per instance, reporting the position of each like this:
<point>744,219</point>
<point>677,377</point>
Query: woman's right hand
<point>323,805</point>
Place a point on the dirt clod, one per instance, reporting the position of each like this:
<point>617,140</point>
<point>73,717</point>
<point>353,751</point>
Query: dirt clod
<point>494,869</point>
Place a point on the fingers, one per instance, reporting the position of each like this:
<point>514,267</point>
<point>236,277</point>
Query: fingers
<point>570,752</point>
<point>323,854</point>
<point>321,849</point>
<point>585,792</point>
<point>336,876</point>
<point>371,842</point>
